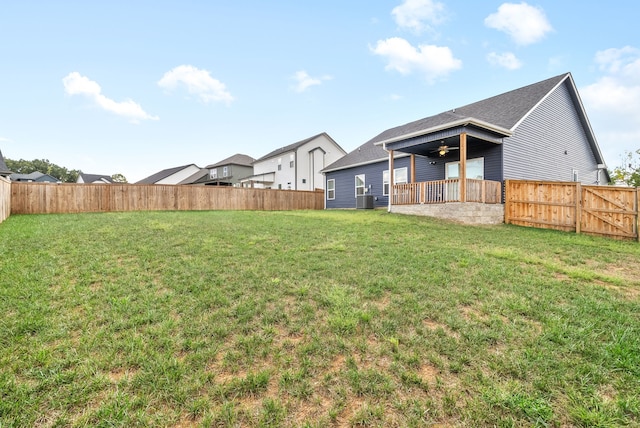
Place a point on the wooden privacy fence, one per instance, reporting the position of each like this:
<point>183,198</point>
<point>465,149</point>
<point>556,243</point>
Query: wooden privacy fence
<point>41,198</point>
<point>597,210</point>
<point>5,199</point>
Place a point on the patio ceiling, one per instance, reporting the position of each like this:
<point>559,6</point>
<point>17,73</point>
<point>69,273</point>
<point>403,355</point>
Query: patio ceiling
<point>426,144</point>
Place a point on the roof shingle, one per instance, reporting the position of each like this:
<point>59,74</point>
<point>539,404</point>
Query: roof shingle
<point>505,111</point>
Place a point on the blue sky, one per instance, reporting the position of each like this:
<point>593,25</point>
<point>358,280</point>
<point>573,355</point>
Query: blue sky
<point>133,87</point>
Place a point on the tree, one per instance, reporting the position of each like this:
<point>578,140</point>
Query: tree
<point>119,178</point>
<point>629,171</point>
<point>44,166</point>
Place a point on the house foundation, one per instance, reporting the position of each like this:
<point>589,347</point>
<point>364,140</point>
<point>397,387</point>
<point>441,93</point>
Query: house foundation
<point>467,213</point>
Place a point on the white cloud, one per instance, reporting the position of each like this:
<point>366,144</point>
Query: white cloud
<point>525,24</point>
<point>419,15</point>
<point>76,84</point>
<point>613,101</point>
<point>432,61</point>
<point>507,60</point>
<point>304,81</point>
<point>198,82</point>
<point>624,61</point>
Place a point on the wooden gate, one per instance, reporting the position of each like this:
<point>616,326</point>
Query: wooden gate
<point>609,211</point>
<point>570,206</point>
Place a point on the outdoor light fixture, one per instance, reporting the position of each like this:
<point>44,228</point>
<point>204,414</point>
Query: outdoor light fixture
<point>442,151</point>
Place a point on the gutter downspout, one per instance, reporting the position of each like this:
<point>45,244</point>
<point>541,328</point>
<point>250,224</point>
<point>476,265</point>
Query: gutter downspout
<point>384,146</point>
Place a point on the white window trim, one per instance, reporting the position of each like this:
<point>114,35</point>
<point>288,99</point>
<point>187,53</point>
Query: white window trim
<point>225,171</point>
<point>364,184</point>
<point>213,174</point>
<point>385,181</point>
<point>331,188</point>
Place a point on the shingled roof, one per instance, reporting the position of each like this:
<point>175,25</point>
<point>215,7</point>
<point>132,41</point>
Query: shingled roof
<point>161,175</point>
<point>292,147</point>
<point>93,178</point>
<point>237,159</point>
<point>4,170</point>
<point>503,112</point>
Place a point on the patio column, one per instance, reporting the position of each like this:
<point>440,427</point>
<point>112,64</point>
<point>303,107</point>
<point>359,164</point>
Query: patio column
<point>390,178</point>
<point>413,168</point>
<point>463,167</point>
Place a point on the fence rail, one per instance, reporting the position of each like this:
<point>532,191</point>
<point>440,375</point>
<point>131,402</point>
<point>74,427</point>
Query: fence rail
<point>570,206</point>
<point>442,191</point>
<point>45,198</point>
<point>5,199</point>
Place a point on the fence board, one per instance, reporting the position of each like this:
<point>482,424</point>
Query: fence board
<point>5,199</point>
<point>569,206</point>
<point>45,198</point>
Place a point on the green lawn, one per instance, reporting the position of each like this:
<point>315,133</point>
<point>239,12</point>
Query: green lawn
<point>343,318</point>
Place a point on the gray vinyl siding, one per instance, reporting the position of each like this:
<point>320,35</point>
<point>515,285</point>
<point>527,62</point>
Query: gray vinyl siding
<point>550,142</point>
<point>345,183</point>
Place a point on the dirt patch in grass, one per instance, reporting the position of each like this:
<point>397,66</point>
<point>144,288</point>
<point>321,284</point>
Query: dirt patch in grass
<point>469,313</point>
<point>630,292</point>
<point>351,408</point>
<point>428,373</point>
<point>119,374</point>
<point>337,364</point>
<point>435,326</point>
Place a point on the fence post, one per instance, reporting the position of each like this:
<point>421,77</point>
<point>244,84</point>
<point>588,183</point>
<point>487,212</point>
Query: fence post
<point>506,201</point>
<point>578,197</point>
<point>638,213</point>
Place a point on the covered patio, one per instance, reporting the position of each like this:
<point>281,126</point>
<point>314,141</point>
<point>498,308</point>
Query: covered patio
<point>463,180</point>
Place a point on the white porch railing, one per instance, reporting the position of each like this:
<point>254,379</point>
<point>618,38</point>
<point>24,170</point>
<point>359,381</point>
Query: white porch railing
<point>441,191</point>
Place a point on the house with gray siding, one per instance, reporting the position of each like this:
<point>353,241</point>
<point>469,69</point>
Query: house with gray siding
<point>537,132</point>
<point>227,172</point>
<point>34,177</point>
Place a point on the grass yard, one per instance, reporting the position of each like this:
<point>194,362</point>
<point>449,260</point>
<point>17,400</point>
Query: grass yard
<point>339,318</point>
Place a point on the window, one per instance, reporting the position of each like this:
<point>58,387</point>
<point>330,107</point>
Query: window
<point>225,171</point>
<point>359,184</point>
<point>475,169</point>
<point>574,175</point>
<point>279,164</point>
<point>213,174</point>
<point>331,189</point>
<point>291,161</point>
<point>399,177</point>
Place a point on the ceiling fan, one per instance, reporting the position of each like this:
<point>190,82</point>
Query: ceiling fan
<point>443,150</point>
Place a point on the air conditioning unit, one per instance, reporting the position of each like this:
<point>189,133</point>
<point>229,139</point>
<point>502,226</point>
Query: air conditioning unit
<point>364,202</point>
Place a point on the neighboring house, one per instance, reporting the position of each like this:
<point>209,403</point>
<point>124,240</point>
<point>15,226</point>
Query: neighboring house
<point>171,175</point>
<point>538,132</point>
<point>94,179</point>
<point>297,166</point>
<point>227,172</point>
<point>35,177</point>
<point>4,170</point>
